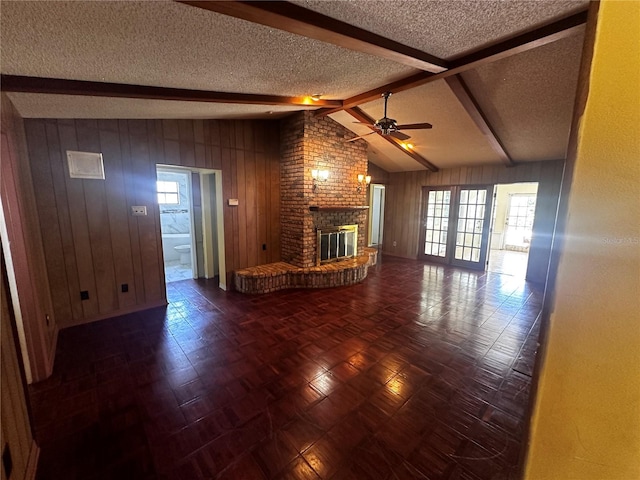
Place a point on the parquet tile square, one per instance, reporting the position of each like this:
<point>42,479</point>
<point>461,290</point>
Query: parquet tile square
<point>422,371</point>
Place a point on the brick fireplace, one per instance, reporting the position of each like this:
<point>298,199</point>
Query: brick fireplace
<point>318,143</point>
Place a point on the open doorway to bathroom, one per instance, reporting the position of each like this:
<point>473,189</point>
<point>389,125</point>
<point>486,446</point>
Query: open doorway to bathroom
<point>512,226</point>
<point>175,200</point>
<point>192,223</point>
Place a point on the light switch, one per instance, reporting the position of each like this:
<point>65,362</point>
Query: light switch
<point>233,202</point>
<point>139,210</point>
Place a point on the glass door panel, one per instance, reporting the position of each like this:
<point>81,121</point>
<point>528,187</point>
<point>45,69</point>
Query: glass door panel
<point>519,226</point>
<point>456,225</point>
<point>471,236</point>
<point>435,232</point>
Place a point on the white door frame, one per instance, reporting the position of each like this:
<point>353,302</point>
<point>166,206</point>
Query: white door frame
<point>372,188</point>
<point>208,216</point>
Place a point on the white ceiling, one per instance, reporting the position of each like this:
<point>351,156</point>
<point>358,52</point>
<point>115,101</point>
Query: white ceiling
<point>528,97</point>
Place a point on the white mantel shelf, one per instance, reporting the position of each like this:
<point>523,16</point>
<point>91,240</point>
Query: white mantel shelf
<point>315,208</point>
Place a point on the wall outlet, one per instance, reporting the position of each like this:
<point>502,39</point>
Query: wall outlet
<point>124,287</point>
<point>395,244</point>
<point>139,210</point>
<point>84,295</point>
<point>264,246</point>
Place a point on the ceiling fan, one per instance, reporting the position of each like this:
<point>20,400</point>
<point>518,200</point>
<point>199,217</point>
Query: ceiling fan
<point>388,126</point>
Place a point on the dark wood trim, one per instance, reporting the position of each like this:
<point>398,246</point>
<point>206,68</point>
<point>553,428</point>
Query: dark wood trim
<point>302,21</point>
<point>59,86</point>
<point>363,117</point>
<point>464,95</point>
<point>518,44</point>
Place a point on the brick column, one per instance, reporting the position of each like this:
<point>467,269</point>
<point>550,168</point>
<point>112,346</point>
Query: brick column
<point>309,142</point>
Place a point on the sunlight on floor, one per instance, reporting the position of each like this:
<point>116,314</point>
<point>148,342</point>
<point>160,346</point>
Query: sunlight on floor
<point>508,262</point>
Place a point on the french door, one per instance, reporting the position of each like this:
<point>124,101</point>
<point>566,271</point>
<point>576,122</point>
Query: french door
<point>455,225</point>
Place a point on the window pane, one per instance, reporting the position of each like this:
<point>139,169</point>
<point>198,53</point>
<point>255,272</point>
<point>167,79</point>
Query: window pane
<point>469,226</point>
<point>168,192</point>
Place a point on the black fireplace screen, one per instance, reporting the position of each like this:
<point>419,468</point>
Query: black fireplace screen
<point>337,243</point>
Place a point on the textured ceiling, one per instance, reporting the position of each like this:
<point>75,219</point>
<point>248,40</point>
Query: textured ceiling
<point>528,98</point>
<point>446,29</point>
<point>174,45</point>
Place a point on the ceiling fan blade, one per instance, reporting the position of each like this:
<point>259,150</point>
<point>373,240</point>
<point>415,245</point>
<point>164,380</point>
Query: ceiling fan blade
<point>358,138</point>
<point>415,126</point>
<point>399,135</point>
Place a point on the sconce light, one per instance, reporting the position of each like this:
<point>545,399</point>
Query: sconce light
<point>319,175</point>
<point>362,178</point>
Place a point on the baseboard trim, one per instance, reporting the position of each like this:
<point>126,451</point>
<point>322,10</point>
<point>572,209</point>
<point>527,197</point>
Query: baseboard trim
<point>118,313</point>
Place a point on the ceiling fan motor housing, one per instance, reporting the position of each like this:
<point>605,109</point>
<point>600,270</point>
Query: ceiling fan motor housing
<point>386,125</point>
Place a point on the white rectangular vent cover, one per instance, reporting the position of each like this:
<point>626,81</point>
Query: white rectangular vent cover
<point>85,165</point>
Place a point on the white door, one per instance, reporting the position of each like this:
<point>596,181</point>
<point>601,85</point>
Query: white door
<point>376,214</point>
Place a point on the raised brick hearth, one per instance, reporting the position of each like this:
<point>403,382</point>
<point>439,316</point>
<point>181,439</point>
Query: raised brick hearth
<point>281,275</point>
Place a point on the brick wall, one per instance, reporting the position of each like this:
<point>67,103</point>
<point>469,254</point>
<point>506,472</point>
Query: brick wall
<point>309,142</point>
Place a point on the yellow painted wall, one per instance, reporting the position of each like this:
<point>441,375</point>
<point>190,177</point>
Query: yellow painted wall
<point>586,422</point>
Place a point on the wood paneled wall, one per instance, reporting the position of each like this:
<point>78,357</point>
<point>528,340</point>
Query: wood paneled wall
<point>93,243</point>
<point>24,250</point>
<point>404,199</point>
<point>378,175</point>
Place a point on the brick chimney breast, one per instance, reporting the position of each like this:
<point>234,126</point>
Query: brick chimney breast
<point>310,143</point>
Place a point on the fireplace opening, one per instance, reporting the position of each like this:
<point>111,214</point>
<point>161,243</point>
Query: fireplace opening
<point>337,243</point>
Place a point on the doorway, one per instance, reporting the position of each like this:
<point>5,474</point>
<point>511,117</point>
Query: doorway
<point>191,223</point>
<point>177,226</point>
<point>455,228</point>
<point>376,214</point>
<point>512,228</point>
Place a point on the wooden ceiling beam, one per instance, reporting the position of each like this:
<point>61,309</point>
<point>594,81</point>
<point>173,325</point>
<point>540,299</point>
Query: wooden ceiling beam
<point>464,95</point>
<point>59,86</point>
<point>363,117</point>
<point>302,21</point>
<point>521,43</point>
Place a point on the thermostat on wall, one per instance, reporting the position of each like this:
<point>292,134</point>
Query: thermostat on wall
<point>233,202</point>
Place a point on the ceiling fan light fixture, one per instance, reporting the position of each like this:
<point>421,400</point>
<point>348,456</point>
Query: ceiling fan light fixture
<point>316,97</point>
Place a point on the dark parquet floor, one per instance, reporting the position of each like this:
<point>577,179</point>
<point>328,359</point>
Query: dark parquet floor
<point>421,372</point>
